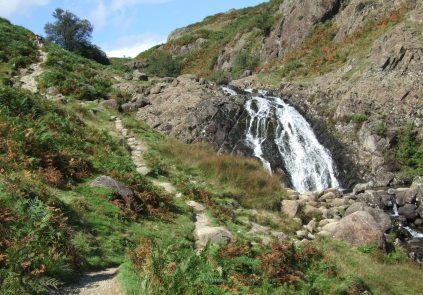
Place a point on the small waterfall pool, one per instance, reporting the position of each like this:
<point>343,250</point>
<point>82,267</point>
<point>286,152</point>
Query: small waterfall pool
<point>307,163</point>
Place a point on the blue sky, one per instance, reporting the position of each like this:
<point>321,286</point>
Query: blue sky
<point>122,27</point>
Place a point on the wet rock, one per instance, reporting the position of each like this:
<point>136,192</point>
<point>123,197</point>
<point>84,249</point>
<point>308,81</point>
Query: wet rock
<point>409,211</point>
<point>290,207</point>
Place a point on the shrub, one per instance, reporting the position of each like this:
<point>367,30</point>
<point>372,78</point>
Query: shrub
<point>162,64</point>
<point>74,76</point>
<point>244,61</point>
<point>380,129</point>
<point>410,151</point>
<point>358,118</point>
<point>220,77</point>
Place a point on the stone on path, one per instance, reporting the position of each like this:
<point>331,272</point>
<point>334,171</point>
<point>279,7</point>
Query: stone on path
<point>204,231</point>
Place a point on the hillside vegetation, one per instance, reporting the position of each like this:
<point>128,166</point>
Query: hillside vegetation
<point>318,53</point>
<point>55,225</point>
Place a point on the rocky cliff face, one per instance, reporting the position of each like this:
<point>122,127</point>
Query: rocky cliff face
<point>358,110</point>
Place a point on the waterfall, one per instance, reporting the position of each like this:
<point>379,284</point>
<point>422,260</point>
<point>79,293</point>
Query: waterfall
<point>308,163</point>
<point>395,210</point>
<point>415,234</point>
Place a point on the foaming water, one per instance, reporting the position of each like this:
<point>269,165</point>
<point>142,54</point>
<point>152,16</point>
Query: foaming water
<point>308,163</point>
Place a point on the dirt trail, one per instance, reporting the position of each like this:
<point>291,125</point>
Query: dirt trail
<point>94,283</point>
<point>29,75</point>
<point>138,148</point>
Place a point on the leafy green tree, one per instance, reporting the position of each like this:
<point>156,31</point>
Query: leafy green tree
<point>74,34</point>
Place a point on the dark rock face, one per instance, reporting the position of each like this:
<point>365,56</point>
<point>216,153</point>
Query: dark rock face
<point>409,211</point>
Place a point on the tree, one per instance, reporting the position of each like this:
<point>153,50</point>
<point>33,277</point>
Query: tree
<point>74,34</point>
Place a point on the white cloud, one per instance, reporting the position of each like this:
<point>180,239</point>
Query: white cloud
<point>107,9</point>
<point>131,46</point>
<point>11,7</point>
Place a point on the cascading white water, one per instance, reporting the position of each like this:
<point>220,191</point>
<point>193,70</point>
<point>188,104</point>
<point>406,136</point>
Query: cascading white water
<point>308,163</point>
<point>415,234</point>
<point>395,208</point>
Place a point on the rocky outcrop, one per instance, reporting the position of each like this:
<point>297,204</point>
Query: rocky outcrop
<point>193,110</point>
<point>297,19</point>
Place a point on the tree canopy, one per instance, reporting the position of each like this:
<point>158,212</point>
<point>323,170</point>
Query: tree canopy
<point>74,34</point>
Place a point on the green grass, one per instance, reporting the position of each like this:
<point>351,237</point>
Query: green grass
<point>381,274</point>
<point>242,178</point>
<point>53,225</point>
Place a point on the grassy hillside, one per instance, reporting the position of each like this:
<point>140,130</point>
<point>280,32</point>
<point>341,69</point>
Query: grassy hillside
<point>54,225</point>
<point>220,30</point>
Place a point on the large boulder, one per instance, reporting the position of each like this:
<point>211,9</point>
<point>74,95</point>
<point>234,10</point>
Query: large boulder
<point>382,219</point>
<point>409,211</point>
<point>290,207</point>
<point>405,196</point>
<point>358,229</point>
<point>371,198</point>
